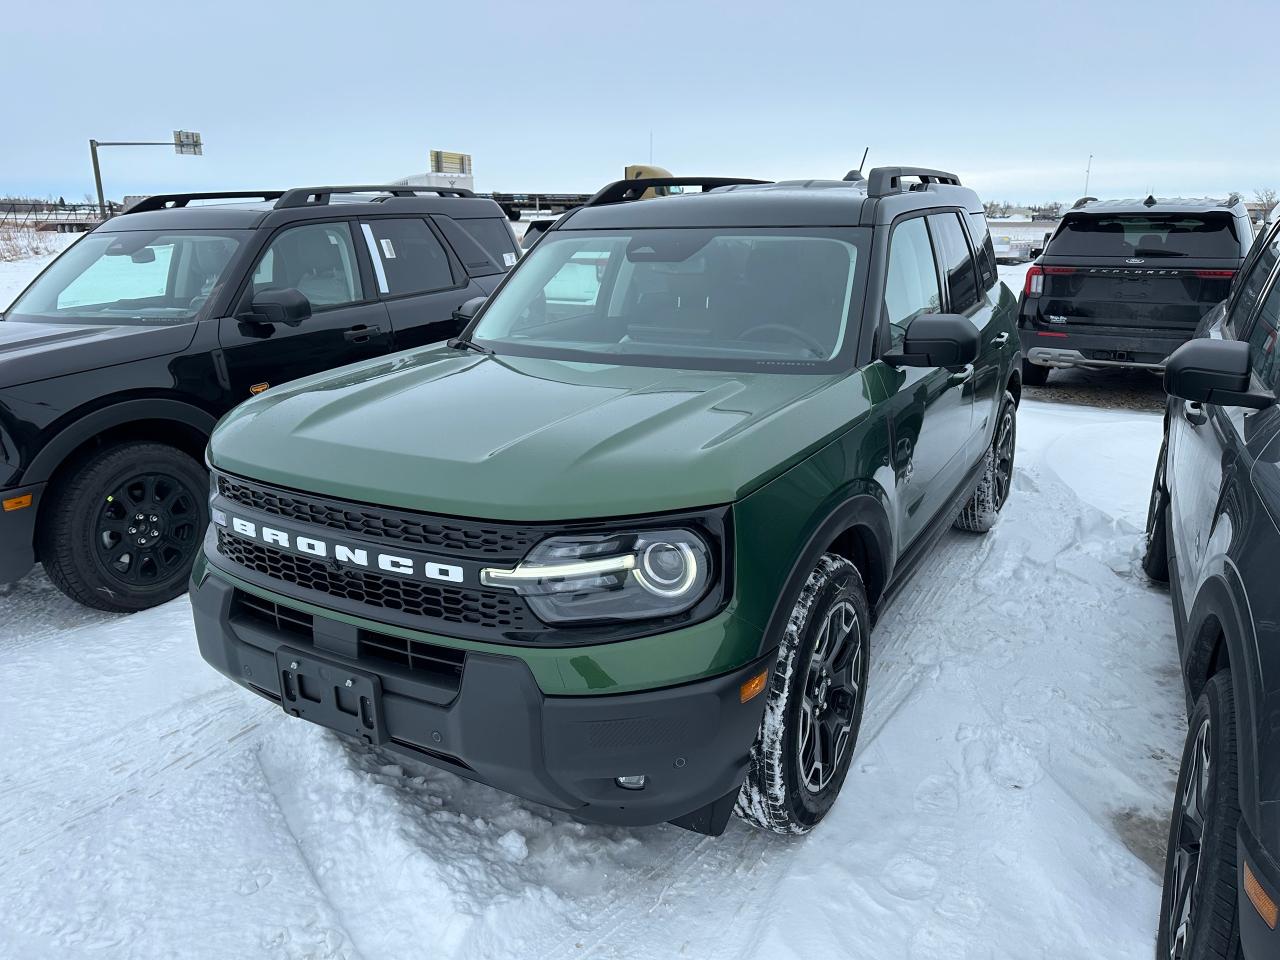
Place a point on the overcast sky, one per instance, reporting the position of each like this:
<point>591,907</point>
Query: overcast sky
<point>1176,97</point>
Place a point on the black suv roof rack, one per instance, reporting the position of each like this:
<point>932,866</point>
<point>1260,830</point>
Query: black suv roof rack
<point>624,191</point>
<point>1082,201</point>
<point>883,181</point>
<point>167,201</point>
<point>305,196</point>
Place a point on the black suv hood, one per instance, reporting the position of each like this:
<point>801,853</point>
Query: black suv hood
<point>38,351</point>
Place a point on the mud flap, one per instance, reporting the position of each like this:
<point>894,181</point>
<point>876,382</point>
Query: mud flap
<point>711,819</point>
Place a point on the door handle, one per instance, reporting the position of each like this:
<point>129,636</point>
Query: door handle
<point>361,333</point>
<point>1194,413</point>
<point>1000,339</point>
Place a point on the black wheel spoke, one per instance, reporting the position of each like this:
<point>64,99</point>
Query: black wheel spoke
<point>147,528</point>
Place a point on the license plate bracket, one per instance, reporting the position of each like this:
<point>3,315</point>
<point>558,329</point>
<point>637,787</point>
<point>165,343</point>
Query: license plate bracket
<point>331,694</point>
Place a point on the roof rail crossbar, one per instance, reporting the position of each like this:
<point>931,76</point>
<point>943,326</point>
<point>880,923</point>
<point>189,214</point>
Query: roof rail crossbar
<point>623,191</point>
<point>166,201</point>
<point>305,196</point>
<point>1082,201</point>
<point>883,181</point>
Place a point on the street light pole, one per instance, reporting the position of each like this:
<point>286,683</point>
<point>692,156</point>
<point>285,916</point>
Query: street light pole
<point>1088,170</point>
<point>183,142</point>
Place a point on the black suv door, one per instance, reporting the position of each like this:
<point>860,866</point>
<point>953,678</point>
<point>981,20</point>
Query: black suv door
<point>418,278</point>
<point>347,322</point>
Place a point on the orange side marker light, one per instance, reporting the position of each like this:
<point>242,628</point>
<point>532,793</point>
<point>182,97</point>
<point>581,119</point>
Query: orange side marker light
<point>752,687</point>
<point>17,503</point>
<point>1265,906</point>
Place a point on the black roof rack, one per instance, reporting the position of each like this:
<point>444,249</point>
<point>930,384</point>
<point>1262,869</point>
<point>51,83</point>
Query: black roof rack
<point>623,191</point>
<point>167,201</point>
<point>883,181</point>
<point>305,196</point>
<point>1082,201</point>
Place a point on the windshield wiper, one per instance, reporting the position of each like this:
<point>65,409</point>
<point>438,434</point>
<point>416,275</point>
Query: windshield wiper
<point>460,343</point>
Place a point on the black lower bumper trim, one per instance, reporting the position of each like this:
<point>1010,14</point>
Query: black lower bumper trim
<point>690,742</point>
<point>18,533</point>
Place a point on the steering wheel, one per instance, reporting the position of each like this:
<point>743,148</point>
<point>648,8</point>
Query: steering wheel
<point>817,348</point>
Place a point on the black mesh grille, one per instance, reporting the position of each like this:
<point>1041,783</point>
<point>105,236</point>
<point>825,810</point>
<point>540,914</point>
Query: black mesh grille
<point>449,535</point>
<point>489,610</point>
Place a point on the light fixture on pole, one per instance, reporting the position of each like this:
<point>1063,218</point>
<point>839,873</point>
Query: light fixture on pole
<point>184,143</point>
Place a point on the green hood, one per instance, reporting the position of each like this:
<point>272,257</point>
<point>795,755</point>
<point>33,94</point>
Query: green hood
<point>512,438</point>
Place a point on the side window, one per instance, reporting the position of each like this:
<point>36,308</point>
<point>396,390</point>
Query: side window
<point>496,238</point>
<point>318,260</point>
<point>1262,339</point>
<point>911,285</point>
<point>981,234</point>
<point>1253,282</point>
<point>956,261</point>
<point>407,257</point>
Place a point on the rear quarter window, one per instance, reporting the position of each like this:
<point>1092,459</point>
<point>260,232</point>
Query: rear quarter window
<point>1208,236</point>
<point>495,237</point>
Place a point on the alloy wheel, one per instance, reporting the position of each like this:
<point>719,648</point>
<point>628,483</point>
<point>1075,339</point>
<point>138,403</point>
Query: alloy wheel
<point>831,694</point>
<point>1191,817</point>
<point>1004,457</point>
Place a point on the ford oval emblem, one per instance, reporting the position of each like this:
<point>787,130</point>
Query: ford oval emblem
<point>1135,260</point>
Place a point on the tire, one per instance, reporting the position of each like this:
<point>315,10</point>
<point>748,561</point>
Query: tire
<point>820,677</point>
<point>92,544</point>
<point>989,497</point>
<point>1034,375</point>
<point>1155,559</point>
<point>1208,776</point>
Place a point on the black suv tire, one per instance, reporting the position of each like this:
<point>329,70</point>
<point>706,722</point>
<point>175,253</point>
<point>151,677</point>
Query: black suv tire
<point>1200,863</point>
<point>1034,375</point>
<point>122,528</point>
<point>1155,559</point>
<point>815,702</point>
<point>983,509</point>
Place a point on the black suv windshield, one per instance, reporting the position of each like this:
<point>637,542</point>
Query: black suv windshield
<point>132,277</point>
<point>1207,236</point>
<point>775,299</point>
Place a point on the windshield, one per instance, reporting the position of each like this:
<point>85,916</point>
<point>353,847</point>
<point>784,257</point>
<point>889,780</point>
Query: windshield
<point>134,277</point>
<point>738,299</point>
<point>1207,236</point>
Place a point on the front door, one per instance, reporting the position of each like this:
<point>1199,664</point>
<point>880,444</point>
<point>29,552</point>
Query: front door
<point>931,407</point>
<point>347,321</point>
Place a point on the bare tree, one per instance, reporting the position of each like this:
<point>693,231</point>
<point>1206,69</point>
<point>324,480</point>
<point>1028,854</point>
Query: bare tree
<point>1267,196</point>
<point>992,208</point>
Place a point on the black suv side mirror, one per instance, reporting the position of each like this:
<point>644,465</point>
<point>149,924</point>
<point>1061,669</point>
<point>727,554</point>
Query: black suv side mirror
<point>937,340</point>
<point>289,306</point>
<point>1214,371</point>
<point>466,313</point>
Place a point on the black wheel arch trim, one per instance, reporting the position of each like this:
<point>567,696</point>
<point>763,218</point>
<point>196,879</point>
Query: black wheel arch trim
<point>862,510</point>
<point>63,444</point>
<point>1218,618</point>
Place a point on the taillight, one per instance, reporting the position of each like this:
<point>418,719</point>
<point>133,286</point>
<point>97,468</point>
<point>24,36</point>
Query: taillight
<point>1215,274</point>
<point>1034,284</point>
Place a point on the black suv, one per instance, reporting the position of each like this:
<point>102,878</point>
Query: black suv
<point>1213,534</point>
<point>1124,283</point>
<point>118,359</point>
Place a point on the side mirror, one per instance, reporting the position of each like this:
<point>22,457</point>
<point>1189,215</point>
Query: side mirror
<point>289,306</point>
<point>1214,371</point>
<point>534,231</point>
<point>467,312</point>
<point>937,340</point>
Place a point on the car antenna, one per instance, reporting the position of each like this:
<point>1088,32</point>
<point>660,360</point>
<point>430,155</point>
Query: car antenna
<point>853,176</point>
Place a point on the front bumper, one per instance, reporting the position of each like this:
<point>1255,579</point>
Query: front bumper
<point>495,725</point>
<point>18,532</point>
<point>1257,939</point>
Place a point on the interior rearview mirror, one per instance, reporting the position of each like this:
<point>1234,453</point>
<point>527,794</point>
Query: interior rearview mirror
<point>289,307</point>
<point>937,340</point>
<point>1214,371</point>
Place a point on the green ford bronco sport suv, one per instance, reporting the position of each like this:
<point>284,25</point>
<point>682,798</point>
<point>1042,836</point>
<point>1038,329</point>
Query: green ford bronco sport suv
<point>619,547</point>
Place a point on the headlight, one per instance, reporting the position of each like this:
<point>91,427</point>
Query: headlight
<point>652,573</point>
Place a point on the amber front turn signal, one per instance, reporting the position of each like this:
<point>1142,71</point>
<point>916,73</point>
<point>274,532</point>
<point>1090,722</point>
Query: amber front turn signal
<point>753,686</point>
<point>1263,903</point>
<point>17,503</point>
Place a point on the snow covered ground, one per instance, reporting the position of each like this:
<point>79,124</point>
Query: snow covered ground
<point>1007,799</point>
